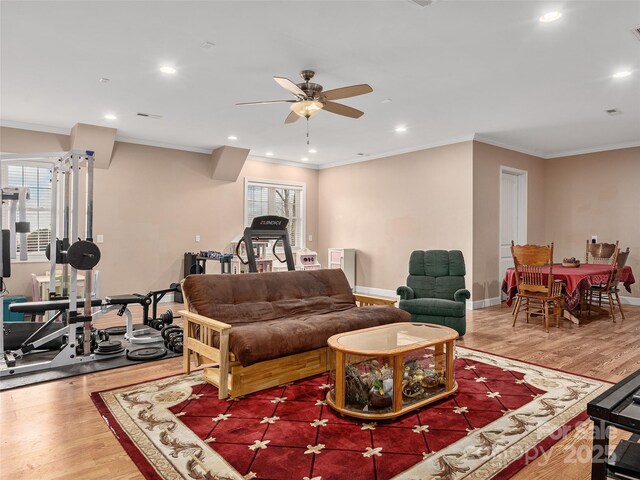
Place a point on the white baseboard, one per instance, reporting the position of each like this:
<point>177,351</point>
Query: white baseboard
<point>484,303</point>
<point>378,292</point>
<point>168,297</point>
<point>630,300</point>
<point>381,292</point>
<point>488,302</point>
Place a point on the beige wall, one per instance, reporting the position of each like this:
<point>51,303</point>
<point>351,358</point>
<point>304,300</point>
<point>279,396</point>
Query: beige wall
<point>487,160</point>
<point>594,194</point>
<point>388,207</point>
<point>150,204</point>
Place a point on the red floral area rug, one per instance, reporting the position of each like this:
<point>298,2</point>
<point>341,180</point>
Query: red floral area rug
<point>505,414</point>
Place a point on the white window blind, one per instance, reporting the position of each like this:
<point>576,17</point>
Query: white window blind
<point>38,207</point>
<point>274,198</point>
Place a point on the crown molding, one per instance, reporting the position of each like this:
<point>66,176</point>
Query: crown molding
<point>490,141</point>
<point>458,139</point>
<point>36,127</point>
<point>566,153</point>
<point>277,161</point>
<point>172,146</point>
<point>451,141</point>
<point>601,148</point>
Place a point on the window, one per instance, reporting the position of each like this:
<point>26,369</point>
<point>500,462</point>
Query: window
<point>271,197</point>
<point>38,206</point>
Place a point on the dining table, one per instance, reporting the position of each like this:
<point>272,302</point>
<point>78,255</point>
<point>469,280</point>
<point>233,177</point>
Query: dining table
<point>576,281</point>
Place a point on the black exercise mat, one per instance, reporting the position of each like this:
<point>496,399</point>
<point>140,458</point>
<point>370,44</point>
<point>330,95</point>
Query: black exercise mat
<point>101,363</point>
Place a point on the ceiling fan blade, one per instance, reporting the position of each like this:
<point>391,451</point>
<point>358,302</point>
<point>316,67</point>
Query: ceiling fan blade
<point>342,110</point>
<point>289,85</point>
<point>267,102</point>
<point>346,92</point>
<point>292,117</point>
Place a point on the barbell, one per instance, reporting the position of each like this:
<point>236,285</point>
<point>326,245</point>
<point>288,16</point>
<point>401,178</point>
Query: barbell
<point>81,255</point>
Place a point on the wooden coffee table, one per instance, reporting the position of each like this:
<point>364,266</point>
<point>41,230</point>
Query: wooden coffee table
<point>384,372</point>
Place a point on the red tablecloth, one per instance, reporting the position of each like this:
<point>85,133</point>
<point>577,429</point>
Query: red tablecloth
<point>577,280</point>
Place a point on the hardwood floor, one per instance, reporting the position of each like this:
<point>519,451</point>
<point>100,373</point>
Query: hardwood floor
<point>53,431</point>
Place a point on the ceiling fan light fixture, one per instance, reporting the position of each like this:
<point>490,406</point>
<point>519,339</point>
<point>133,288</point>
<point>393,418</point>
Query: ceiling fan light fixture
<point>307,108</point>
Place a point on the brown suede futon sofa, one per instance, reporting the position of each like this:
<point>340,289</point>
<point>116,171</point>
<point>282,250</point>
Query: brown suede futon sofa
<point>265,329</point>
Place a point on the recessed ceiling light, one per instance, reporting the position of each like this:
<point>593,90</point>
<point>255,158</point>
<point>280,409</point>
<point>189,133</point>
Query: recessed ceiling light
<point>401,129</point>
<point>269,154</point>
<point>110,116</point>
<point>167,69</point>
<point>313,150</point>
<point>104,80</point>
<point>550,17</point>
<point>622,74</point>
<point>304,159</point>
<point>232,137</point>
<point>207,45</point>
<point>386,100</point>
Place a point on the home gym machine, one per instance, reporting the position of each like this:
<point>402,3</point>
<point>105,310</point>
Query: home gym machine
<point>17,198</point>
<point>71,324</point>
<point>268,227</point>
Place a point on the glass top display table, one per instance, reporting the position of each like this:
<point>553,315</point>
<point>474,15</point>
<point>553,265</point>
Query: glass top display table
<point>384,372</point>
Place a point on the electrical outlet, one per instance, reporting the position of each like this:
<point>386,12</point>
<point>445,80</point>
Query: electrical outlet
<point>594,239</point>
<point>197,238</point>
<point>99,238</point>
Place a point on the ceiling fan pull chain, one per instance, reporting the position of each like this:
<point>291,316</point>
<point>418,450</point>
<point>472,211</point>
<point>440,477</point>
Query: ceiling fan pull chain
<point>307,130</point>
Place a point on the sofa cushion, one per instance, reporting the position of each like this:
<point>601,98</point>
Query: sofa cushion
<point>433,306</point>
<point>259,297</point>
<point>256,342</point>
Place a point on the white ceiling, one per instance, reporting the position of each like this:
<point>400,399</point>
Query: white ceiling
<point>453,70</point>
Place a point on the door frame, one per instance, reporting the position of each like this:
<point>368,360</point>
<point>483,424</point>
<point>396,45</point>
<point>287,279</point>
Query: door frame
<point>522,210</point>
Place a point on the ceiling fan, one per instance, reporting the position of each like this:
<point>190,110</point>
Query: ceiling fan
<point>310,98</point>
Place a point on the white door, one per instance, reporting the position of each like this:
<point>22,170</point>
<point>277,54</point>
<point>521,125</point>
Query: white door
<point>513,215</point>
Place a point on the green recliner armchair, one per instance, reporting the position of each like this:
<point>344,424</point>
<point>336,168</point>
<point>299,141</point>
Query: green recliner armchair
<point>435,291</point>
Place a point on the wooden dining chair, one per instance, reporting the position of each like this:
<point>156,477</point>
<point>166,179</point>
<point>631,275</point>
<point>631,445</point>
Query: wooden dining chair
<point>597,253</point>
<point>601,253</point>
<point>534,279</point>
<point>610,289</point>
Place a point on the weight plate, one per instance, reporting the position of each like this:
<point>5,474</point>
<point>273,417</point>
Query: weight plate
<point>109,344</point>
<point>83,255</point>
<point>173,334</point>
<point>109,347</point>
<point>178,339</point>
<point>166,330</point>
<point>111,352</point>
<point>146,354</point>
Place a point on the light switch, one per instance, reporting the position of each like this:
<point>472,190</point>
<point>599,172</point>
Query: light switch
<point>197,238</point>
<point>311,238</point>
<point>99,238</point>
